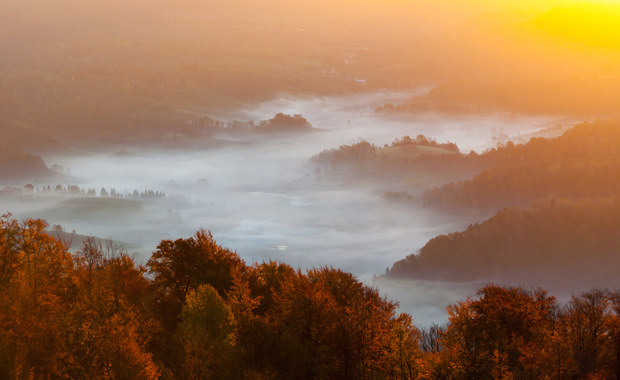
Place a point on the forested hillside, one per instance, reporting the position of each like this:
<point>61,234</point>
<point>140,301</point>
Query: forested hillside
<point>583,163</point>
<point>559,243</point>
<point>16,163</point>
<point>421,158</point>
<point>196,310</point>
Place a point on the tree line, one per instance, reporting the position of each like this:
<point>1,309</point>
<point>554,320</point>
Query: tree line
<point>78,191</point>
<point>279,123</point>
<point>349,154</point>
<point>196,310</point>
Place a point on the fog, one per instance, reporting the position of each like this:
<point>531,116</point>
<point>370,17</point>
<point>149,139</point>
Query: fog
<point>257,194</point>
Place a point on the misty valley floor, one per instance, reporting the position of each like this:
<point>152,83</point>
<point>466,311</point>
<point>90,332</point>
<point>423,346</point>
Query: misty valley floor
<point>260,196</point>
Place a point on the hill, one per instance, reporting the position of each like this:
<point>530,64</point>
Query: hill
<point>16,164</point>
<point>420,159</point>
<point>559,243</point>
<point>582,163</point>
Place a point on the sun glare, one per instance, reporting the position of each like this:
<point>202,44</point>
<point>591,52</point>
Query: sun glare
<point>594,23</point>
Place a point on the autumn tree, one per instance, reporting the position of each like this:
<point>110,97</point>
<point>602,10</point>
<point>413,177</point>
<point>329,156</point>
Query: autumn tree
<point>613,328</point>
<point>496,333</point>
<point>178,267</point>
<point>68,317</point>
<point>252,302</point>
<point>586,320</point>
<point>206,333</point>
<point>361,324</point>
<point>37,286</point>
<point>406,359</point>
<point>110,325</point>
<point>302,315</point>
<point>334,326</point>
<point>182,265</point>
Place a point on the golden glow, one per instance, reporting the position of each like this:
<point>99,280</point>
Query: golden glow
<point>594,23</point>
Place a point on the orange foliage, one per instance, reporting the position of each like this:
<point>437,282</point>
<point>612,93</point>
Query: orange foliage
<point>96,314</point>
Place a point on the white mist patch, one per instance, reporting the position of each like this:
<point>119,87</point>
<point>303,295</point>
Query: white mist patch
<point>350,119</point>
<point>426,301</point>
